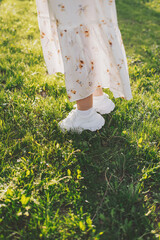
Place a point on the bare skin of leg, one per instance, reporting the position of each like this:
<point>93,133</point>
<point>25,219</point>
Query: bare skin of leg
<point>87,103</point>
<point>98,92</point>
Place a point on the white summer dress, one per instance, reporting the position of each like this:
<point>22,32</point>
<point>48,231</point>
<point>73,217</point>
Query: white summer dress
<point>81,39</point>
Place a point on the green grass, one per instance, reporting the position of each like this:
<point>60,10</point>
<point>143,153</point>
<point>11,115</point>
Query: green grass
<point>98,185</point>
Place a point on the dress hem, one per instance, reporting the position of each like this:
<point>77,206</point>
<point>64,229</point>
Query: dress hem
<point>114,95</point>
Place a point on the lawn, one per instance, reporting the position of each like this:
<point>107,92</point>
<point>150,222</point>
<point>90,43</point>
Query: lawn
<point>98,185</point>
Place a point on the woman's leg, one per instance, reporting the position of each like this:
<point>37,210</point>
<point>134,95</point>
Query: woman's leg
<point>83,118</point>
<point>85,103</point>
<point>98,92</point>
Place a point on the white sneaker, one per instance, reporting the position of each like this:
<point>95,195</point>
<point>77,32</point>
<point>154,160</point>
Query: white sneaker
<point>78,122</point>
<point>102,104</point>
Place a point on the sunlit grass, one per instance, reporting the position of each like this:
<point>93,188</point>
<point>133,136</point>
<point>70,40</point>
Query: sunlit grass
<point>97,185</point>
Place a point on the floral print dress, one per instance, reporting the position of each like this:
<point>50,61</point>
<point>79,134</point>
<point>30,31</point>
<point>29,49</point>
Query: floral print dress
<point>81,39</point>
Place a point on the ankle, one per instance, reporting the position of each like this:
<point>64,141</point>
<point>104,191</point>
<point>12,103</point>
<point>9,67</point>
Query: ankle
<point>98,92</point>
<point>84,108</point>
<point>97,96</point>
<point>85,112</point>
<point>85,103</point>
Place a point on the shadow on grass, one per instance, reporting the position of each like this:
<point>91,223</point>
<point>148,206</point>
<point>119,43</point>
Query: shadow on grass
<point>139,25</point>
<point>111,163</point>
<point>111,167</point>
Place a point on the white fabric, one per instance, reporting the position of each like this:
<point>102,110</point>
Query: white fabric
<point>77,122</point>
<point>81,39</point>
